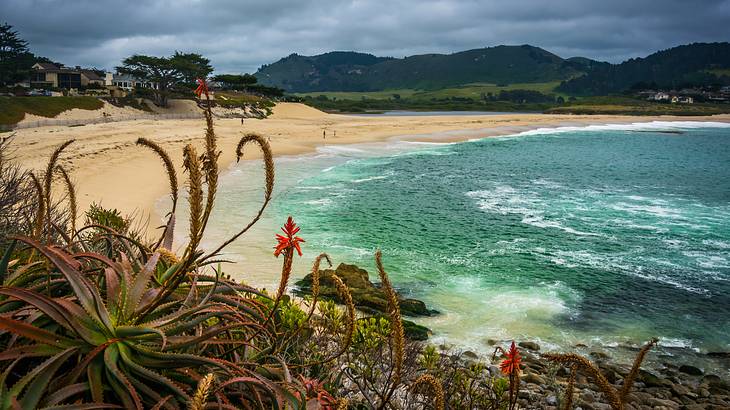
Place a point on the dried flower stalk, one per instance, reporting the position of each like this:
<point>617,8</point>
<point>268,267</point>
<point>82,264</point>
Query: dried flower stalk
<point>433,388</point>
<point>71,192</point>
<point>201,393</point>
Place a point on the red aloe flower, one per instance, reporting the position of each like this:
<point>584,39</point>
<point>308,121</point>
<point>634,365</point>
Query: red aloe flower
<point>202,87</point>
<point>288,241</point>
<point>511,364</point>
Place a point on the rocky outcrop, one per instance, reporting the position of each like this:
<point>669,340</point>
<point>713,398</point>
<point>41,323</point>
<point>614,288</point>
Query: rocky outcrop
<point>367,296</point>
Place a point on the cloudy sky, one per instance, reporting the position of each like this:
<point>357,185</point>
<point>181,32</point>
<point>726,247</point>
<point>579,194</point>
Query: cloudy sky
<point>241,35</point>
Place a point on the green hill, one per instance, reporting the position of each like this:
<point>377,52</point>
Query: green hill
<point>689,65</point>
<point>351,71</point>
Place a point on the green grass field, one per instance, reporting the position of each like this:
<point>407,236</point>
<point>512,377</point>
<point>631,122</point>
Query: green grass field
<point>720,72</point>
<point>474,91</point>
<point>13,109</point>
<point>632,106</point>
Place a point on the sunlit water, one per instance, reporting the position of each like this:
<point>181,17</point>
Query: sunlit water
<point>604,235</point>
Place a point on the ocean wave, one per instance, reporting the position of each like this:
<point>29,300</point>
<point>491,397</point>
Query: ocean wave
<point>636,126</point>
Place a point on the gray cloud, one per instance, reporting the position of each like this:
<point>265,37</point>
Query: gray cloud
<point>240,35</point>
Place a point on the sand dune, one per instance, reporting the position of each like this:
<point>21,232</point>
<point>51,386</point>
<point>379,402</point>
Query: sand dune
<point>110,169</point>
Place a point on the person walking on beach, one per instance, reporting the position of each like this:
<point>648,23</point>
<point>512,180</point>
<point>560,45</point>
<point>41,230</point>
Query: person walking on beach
<point>241,120</point>
<point>324,134</point>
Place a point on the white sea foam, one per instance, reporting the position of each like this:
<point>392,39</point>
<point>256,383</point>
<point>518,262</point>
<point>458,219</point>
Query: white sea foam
<point>716,243</point>
<point>547,183</point>
<point>708,260</point>
<point>636,126</point>
<point>321,202</point>
<point>655,210</point>
<point>506,200</point>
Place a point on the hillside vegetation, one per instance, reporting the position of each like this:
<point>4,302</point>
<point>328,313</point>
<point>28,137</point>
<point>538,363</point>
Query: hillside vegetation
<point>13,109</point>
<point>351,71</point>
<point>475,90</point>
<point>696,64</point>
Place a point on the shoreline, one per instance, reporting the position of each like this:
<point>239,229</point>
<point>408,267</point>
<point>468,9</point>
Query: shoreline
<point>110,169</point>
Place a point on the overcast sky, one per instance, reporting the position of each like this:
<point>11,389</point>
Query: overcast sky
<point>240,35</point>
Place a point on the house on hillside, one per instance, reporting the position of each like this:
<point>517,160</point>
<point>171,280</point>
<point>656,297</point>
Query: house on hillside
<point>129,82</point>
<point>681,99</point>
<point>660,96</point>
<point>48,75</point>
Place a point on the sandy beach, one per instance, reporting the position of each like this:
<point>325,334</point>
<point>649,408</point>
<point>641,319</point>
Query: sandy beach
<point>110,169</point>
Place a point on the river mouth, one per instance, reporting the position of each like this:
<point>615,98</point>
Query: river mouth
<point>597,236</point>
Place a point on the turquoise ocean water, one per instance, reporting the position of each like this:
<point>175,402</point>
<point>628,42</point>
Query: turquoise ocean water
<point>604,235</point>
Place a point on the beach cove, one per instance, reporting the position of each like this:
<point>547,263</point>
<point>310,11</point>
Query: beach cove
<point>308,165</point>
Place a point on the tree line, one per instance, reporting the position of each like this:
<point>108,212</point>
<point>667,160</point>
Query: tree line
<point>173,74</point>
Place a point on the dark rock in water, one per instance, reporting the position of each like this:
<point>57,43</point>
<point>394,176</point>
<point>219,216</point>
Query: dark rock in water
<point>470,355</point>
<point>530,345</point>
<point>366,296</point>
<point>491,342</point>
<point>652,380</point>
<point>599,355</point>
<point>691,370</point>
<point>415,331</point>
<point>721,355</point>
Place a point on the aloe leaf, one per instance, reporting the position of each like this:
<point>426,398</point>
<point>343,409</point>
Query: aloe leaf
<point>139,284</point>
<point>111,279</point>
<point>133,331</point>
<point>151,375</point>
<point>24,272</point>
<point>64,393</point>
<point>119,382</point>
<point>34,333</point>
<point>37,350</point>
<point>85,292</point>
<point>37,380</point>
<point>178,360</point>
<point>43,303</point>
<point>94,373</point>
<point>162,403</point>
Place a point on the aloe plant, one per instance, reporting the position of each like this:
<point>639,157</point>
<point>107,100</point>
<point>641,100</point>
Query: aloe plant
<point>100,337</point>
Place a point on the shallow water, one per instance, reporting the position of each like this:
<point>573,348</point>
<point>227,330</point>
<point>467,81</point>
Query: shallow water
<point>599,235</point>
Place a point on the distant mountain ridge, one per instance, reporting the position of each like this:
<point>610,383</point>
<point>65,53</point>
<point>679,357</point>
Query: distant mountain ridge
<point>692,64</point>
<point>353,71</point>
<point>677,67</point>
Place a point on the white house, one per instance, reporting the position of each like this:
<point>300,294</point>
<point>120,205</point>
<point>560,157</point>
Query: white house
<point>660,96</point>
<point>129,82</point>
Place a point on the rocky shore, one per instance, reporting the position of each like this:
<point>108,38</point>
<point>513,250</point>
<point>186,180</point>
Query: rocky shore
<point>667,387</point>
<point>663,385</point>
